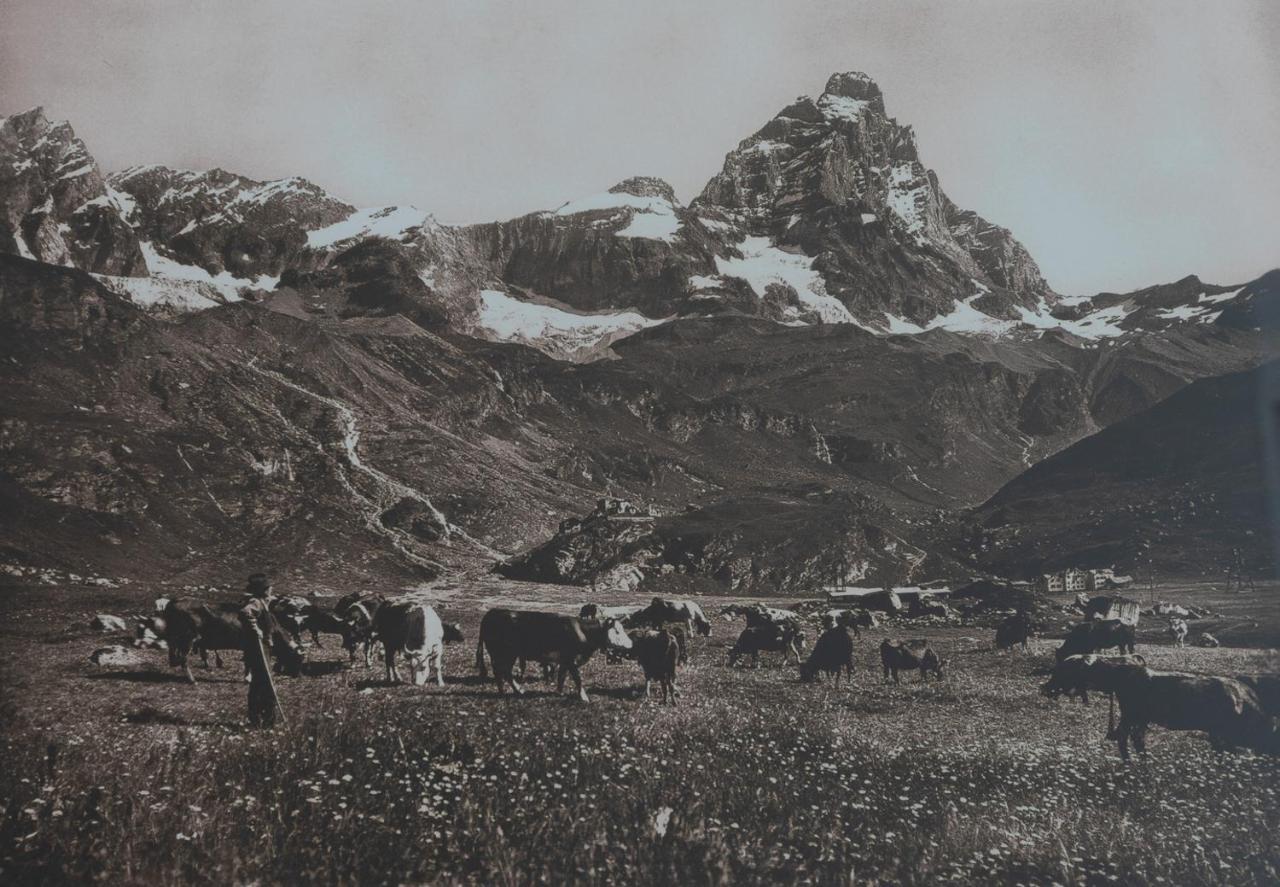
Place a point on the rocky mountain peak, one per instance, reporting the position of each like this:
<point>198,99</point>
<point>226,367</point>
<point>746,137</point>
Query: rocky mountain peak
<point>54,205</point>
<point>645,186</point>
<point>857,86</point>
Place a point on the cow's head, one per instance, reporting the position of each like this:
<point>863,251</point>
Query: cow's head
<point>419,666</point>
<point>615,635</point>
<point>453,633</point>
<point>288,655</point>
<point>702,625</point>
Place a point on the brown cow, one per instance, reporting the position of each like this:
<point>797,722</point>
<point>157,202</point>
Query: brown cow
<point>912,655</point>
<point>191,625</point>
<point>567,641</point>
<point>1225,708</point>
<point>658,655</point>
<point>774,639</point>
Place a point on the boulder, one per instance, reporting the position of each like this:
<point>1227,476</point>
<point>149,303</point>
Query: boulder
<point>1207,640</point>
<point>106,622</point>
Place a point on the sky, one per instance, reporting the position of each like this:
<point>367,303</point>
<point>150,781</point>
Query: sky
<point>1125,143</point>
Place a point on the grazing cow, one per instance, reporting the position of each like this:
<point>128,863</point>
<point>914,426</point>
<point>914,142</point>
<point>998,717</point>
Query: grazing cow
<point>661,613</point>
<point>596,611</point>
<point>1178,631</point>
<point>852,619</point>
<point>1077,675</point>
<point>760,616</point>
<point>190,625</point>
<point>1225,708</point>
<point>416,631</point>
<point>1014,630</point>
<point>912,655</point>
<point>1267,688</point>
<point>1094,637</point>
<point>658,654</point>
<point>356,611</point>
<point>832,653</point>
<point>566,641</point>
<point>752,642</point>
<point>289,612</point>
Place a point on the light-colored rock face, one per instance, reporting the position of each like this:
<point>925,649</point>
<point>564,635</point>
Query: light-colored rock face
<point>107,622</point>
<point>54,205</point>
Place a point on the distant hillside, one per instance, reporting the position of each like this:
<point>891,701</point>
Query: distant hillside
<point>1178,485</point>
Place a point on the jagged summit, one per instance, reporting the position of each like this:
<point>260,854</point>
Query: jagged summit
<point>645,186</point>
<point>857,86</point>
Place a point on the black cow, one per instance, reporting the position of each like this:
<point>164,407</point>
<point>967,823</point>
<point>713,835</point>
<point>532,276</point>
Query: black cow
<point>1077,675</point>
<point>191,625</point>
<point>772,639</point>
<point>1226,709</point>
<point>1267,689</point>
<point>658,654</point>
<point>832,653</point>
<point>1094,637</point>
<point>1015,630</point>
<point>914,655</point>
<point>356,612</point>
<point>567,641</point>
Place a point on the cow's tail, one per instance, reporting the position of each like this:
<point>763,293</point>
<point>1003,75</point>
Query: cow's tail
<point>1111,717</point>
<point>480,658</point>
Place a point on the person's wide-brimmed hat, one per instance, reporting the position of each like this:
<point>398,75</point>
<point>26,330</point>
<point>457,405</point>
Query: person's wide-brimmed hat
<point>259,584</point>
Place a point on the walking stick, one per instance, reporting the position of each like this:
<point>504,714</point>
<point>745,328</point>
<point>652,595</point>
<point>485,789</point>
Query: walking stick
<point>271,683</point>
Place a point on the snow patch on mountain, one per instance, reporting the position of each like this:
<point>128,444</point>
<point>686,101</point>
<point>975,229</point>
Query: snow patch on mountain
<point>651,217</point>
<point>1205,298</point>
<point>224,282</point>
<point>839,107</point>
<point>553,330</point>
<point>178,295</point>
<point>392,222</point>
<point>906,196</point>
<point>763,263</point>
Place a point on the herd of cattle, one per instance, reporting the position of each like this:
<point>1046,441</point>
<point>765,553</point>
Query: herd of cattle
<point>1235,711</point>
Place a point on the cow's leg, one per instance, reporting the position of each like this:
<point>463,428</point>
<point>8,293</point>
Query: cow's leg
<point>1140,740</point>
<point>315,637</point>
<point>389,657</point>
<point>577,680</point>
<point>440,665</point>
<point>647,682</point>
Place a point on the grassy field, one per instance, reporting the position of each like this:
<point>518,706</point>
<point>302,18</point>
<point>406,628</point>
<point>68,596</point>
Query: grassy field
<point>131,776</point>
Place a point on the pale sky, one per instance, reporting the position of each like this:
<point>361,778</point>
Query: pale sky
<point>1125,143</point>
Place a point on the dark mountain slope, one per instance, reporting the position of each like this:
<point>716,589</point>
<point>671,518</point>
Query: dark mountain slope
<point>1176,486</point>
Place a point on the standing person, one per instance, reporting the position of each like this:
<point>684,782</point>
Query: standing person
<point>259,627</point>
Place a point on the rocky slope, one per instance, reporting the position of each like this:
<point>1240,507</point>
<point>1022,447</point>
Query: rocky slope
<point>818,367</point>
<point>54,204</point>
<point>1175,488</point>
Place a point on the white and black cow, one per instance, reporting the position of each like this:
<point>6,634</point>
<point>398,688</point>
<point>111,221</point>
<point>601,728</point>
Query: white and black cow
<point>416,631</point>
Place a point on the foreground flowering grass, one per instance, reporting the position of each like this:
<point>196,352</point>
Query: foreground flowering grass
<point>754,777</point>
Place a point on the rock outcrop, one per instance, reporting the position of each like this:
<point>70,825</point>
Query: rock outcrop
<point>55,206</point>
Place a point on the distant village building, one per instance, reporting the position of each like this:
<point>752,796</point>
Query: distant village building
<point>1072,581</point>
<point>610,507</point>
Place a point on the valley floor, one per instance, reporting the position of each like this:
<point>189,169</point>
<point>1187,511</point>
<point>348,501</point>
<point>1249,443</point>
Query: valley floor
<point>129,775</point>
